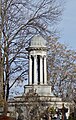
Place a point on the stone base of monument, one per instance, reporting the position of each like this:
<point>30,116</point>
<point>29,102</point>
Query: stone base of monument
<point>44,91</point>
<point>41,90</point>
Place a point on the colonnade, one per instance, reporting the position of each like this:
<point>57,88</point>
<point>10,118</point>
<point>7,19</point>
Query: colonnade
<point>37,70</point>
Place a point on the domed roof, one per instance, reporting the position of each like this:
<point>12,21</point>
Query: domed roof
<point>38,41</point>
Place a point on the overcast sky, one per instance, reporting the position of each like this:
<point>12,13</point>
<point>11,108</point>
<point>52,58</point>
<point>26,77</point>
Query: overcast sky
<point>68,24</point>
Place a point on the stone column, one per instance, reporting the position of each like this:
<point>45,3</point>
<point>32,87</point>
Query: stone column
<point>41,70</point>
<point>30,70</point>
<point>35,70</point>
<point>45,71</point>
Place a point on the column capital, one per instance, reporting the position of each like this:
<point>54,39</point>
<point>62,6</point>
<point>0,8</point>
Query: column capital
<point>44,56</point>
<point>41,56</point>
<point>29,56</point>
<point>35,56</point>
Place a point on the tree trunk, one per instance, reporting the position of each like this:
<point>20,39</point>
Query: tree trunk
<point>5,108</point>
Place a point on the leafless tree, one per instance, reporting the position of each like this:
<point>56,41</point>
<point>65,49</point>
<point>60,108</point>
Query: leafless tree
<point>20,20</point>
<point>61,69</point>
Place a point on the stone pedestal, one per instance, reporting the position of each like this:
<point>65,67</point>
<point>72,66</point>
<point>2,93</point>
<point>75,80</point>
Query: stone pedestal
<point>41,90</point>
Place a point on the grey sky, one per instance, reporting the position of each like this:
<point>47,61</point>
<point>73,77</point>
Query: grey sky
<point>68,24</point>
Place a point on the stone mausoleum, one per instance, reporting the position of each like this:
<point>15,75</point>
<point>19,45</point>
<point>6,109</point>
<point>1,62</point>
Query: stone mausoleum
<point>37,81</point>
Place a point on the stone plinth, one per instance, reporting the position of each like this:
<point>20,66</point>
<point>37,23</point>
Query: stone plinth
<point>41,90</point>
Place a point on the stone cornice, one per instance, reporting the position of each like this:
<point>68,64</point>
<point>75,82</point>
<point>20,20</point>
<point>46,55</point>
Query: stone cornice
<point>36,48</point>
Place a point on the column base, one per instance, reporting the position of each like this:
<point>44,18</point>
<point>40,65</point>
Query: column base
<point>41,90</point>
